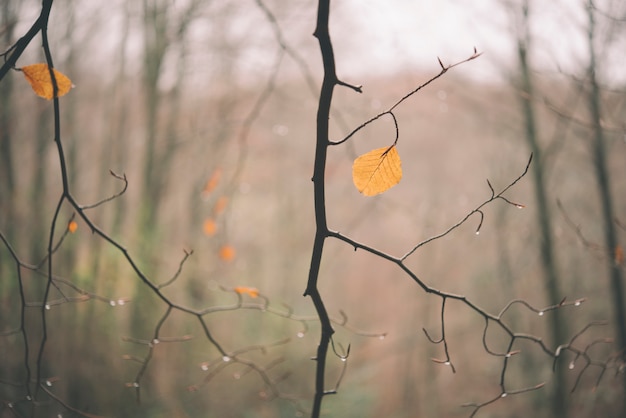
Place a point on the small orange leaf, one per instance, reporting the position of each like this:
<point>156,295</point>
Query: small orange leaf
<point>619,255</point>
<point>227,253</point>
<point>220,205</point>
<point>72,226</point>
<point>212,183</point>
<point>251,291</point>
<point>209,227</point>
<point>377,171</point>
<point>38,75</point>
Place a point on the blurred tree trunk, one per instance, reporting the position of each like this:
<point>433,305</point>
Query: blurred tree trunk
<point>604,188</point>
<point>511,291</point>
<point>8,281</point>
<point>216,122</point>
<point>548,259</point>
<point>38,191</point>
<point>155,47</point>
<point>165,26</point>
<point>8,20</point>
<point>114,154</point>
<point>119,110</point>
<point>78,325</point>
<point>163,29</point>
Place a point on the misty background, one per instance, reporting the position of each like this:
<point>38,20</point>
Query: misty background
<point>208,108</point>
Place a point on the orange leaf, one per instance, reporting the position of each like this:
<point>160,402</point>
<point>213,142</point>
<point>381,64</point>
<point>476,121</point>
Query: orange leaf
<point>227,253</point>
<point>377,171</point>
<point>72,226</point>
<point>209,227</point>
<point>212,183</point>
<point>220,205</point>
<point>38,75</point>
<point>251,291</point>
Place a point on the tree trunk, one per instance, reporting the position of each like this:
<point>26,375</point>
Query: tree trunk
<point>155,47</point>
<point>604,188</point>
<point>8,20</point>
<point>548,259</point>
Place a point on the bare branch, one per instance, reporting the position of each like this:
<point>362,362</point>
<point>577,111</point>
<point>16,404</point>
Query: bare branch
<point>476,210</point>
<point>113,197</point>
<point>389,111</point>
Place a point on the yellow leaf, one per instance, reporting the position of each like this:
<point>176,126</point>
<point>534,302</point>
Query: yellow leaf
<point>72,226</point>
<point>251,291</point>
<point>377,171</point>
<point>220,205</point>
<point>38,75</point>
<point>209,227</point>
<point>227,253</point>
<point>212,183</point>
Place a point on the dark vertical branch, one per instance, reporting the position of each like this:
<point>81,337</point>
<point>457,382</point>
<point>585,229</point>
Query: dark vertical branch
<point>604,188</point>
<point>321,149</point>
<point>65,183</point>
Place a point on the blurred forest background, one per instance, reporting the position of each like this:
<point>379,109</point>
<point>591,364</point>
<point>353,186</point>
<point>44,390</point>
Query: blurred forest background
<point>208,109</point>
